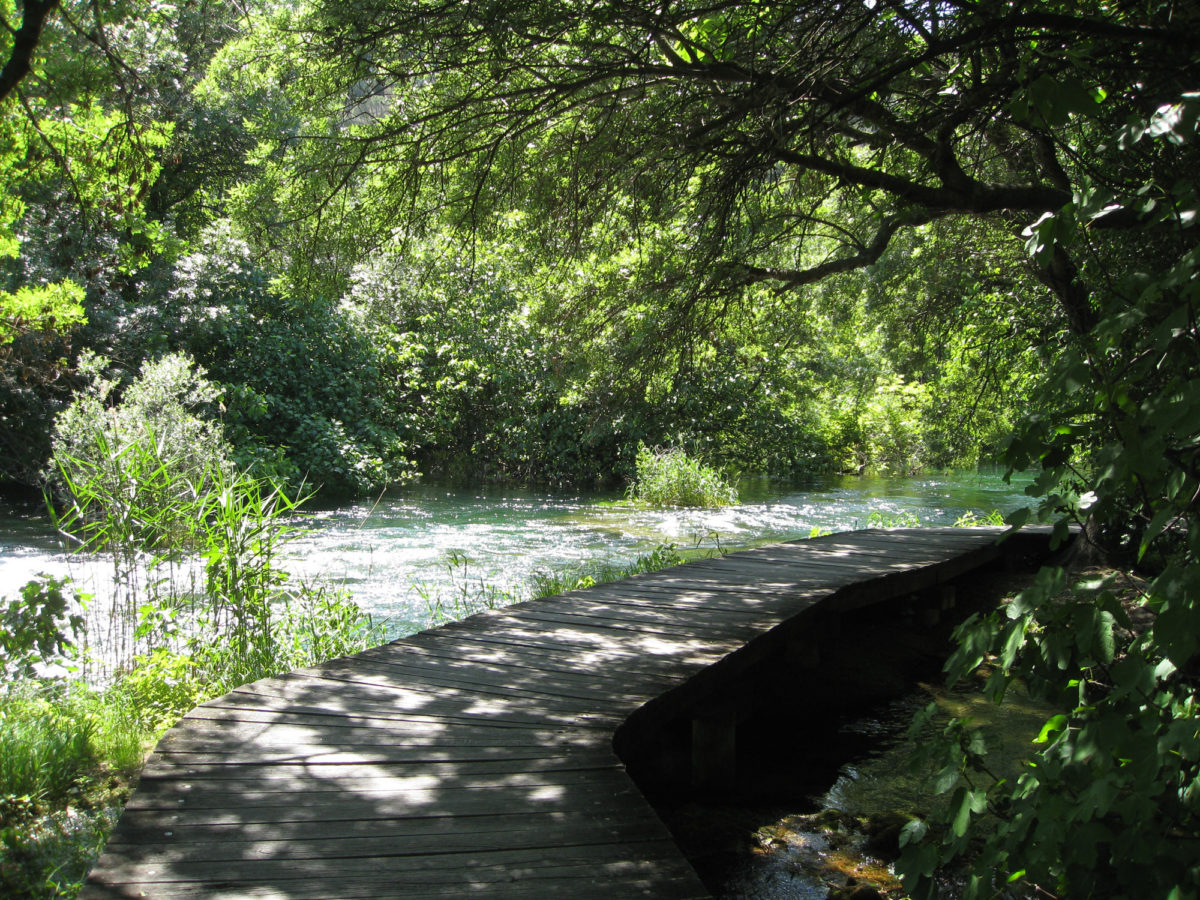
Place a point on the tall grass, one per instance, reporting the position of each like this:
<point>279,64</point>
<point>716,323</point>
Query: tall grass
<point>44,747</point>
<point>199,606</point>
<point>468,593</point>
<point>673,478</point>
<point>562,581</point>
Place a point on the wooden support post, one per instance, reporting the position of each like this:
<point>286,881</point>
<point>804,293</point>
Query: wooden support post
<point>714,748</point>
<point>804,652</point>
<point>930,612</point>
<point>948,596</point>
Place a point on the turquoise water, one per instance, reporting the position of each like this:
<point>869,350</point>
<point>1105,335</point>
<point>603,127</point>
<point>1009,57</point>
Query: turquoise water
<point>399,554</point>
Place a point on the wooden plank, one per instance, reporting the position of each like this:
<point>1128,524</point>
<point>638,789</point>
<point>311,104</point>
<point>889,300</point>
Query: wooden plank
<point>295,798</point>
<point>574,637</point>
<point>692,577</point>
<point>576,660</point>
<point>325,805</point>
<point>579,883</point>
<point>237,706</point>
<point>435,645</point>
<point>874,546</point>
<point>529,692</point>
<point>477,758</point>
<point>594,856</point>
<point>465,836</point>
<point>728,629</point>
<point>768,610</point>
<point>834,570</point>
<point>609,656</point>
<point>373,836</point>
<point>534,679</point>
<point>231,723</point>
<point>650,869</point>
<point>304,693</point>
<point>580,887</point>
<point>482,685</point>
<point>632,610</point>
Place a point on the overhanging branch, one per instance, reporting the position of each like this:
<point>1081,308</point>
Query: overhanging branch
<point>789,279</point>
<point>25,39</point>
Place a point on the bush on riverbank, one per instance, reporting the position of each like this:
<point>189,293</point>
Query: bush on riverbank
<point>68,751</point>
<point>198,605</point>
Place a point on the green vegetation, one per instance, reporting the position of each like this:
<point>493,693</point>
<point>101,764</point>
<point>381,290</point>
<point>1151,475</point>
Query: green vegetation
<point>550,584</point>
<point>44,749</point>
<point>335,243</point>
<point>472,593</point>
<point>198,607</point>
<point>672,478</point>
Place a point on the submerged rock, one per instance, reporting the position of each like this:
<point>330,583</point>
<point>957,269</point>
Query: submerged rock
<point>855,892</point>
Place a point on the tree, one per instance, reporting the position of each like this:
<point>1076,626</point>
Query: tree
<point>793,144</point>
<point>1108,805</point>
<point>86,121</point>
<point>783,144</point>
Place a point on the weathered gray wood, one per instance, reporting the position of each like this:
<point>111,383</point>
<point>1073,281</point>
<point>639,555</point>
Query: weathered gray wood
<point>477,758</point>
<point>640,870</point>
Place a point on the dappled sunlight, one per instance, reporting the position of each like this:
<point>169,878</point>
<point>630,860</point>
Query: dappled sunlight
<point>477,756</point>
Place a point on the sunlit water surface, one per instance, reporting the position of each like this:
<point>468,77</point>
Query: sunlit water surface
<point>398,556</point>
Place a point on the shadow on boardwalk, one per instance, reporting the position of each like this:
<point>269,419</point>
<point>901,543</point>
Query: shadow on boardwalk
<point>478,758</point>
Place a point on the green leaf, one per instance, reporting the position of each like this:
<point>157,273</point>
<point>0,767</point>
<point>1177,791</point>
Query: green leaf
<point>913,832</point>
<point>966,803</point>
<point>1154,529</point>
<point>946,779</point>
<point>919,860</point>
<point>1018,517</point>
<point>1051,729</point>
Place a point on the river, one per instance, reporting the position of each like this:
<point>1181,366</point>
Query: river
<point>402,553</point>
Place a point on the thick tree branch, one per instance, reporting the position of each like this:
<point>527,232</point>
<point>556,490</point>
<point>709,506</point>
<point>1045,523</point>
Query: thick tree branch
<point>25,40</point>
<point>789,279</point>
<point>972,197</point>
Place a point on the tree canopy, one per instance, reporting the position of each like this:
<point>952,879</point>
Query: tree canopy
<point>788,142</point>
<point>526,239</point>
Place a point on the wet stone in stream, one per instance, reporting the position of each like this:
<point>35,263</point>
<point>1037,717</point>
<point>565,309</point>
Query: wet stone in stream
<point>767,853</point>
<point>811,856</point>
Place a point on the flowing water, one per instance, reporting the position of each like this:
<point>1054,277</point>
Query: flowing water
<point>427,543</point>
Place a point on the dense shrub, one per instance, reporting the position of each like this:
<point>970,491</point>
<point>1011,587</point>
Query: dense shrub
<point>475,389</point>
<point>118,461</point>
<point>672,478</point>
<point>305,387</point>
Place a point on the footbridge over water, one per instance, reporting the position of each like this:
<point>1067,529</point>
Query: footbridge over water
<point>489,757</point>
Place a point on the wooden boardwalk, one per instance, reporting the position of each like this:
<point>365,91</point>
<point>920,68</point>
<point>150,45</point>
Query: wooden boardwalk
<point>477,758</point>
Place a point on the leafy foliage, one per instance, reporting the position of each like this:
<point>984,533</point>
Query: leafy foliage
<point>305,388</point>
<point>39,627</point>
<point>123,469</point>
<point>1109,798</point>
<point>672,478</point>
<point>43,749</point>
